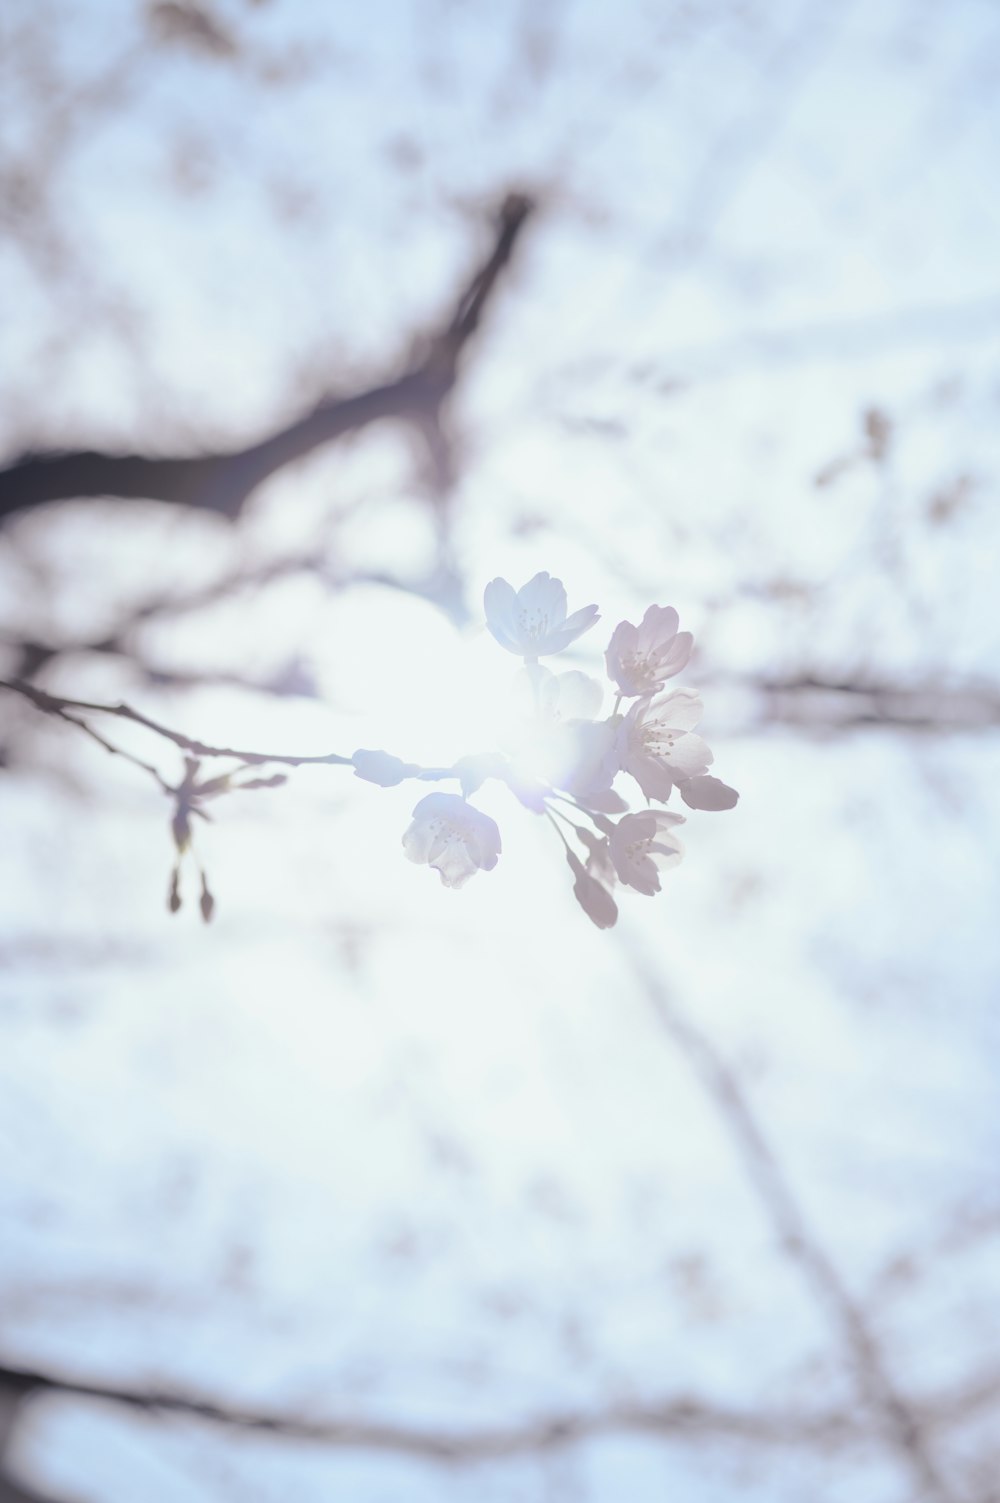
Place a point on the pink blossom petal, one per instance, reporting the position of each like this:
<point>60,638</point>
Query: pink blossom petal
<point>689,756</point>
<point>708,793</point>
<point>680,709</point>
<point>500,604</point>
<point>658,625</point>
<point>595,900</point>
<point>544,597</point>
<point>677,655</point>
<point>578,696</point>
<point>652,776</point>
<point>581,620</point>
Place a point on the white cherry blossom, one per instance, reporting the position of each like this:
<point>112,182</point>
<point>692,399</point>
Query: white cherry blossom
<point>538,695</point>
<point>556,738</point>
<point>642,846</point>
<point>453,837</point>
<point>658,748</point>
<point>591,758</point>
<point>641,658</point>
<point>532,621</point>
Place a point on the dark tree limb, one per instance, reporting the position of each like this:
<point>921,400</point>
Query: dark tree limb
<point>18,1492</point>
<point>810,700</point>
<point>681,1418</point>
<point>222,482</point>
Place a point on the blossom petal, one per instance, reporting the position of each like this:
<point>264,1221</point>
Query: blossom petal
<point>581,620</point>
<point>595,900</point>
<point>417,841</point>
<point>579,696</point>
<point>543,597</point>
<point>500,605</point>
<point>677,655</point>
<point>484,842</point>
<point>595,756</point>
<point>454,864</point>
<point>653,776</point>
<point>680,709</point>
<point>668,852</point>
<point>599,862</point>
<point>708,793</point>
<point>658,625</point>
<point>689,756</point>
<point>623,644</point>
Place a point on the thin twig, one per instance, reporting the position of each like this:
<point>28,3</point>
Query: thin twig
<point>53,704</point>
<point>115,751</point>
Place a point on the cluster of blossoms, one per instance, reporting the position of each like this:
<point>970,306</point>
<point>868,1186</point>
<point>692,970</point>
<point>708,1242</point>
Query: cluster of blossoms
<point>564,756</point>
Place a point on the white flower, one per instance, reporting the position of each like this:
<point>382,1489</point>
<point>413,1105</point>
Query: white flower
<point>532,622</point>
<point>591,758</point>
<point>658,748</point>
<point>641,847</point>
<point>641,658</point>
<point>562,696</point>
<point>453,837</point>
<point>556,739</point>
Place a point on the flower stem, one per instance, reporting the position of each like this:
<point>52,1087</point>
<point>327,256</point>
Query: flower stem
<point>549,815</point>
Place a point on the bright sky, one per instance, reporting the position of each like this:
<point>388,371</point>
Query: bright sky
<point>369,1148</point>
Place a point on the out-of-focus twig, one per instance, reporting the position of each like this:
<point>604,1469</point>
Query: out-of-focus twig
<point>61,710</point>
<point>900,1422</point>
<point>812,701</point>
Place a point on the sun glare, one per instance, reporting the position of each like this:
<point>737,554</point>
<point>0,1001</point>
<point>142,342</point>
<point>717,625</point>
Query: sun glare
<point>417,686</point>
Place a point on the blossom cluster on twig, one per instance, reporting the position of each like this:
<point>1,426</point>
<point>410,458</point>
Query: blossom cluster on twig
<point>563,755</point>
<point>560,757</point>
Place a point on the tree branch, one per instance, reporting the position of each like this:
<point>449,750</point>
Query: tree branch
<point>222,482</point>
<point>682,1418</point>
<point>810,699</point>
